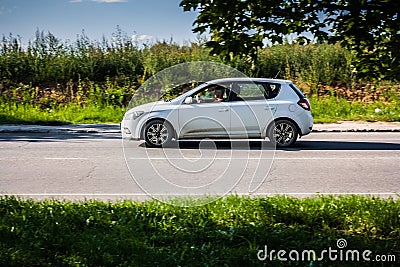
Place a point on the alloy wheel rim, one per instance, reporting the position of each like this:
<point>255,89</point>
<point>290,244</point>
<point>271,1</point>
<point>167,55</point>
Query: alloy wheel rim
<point>283,133</point>
<point>157,134</point>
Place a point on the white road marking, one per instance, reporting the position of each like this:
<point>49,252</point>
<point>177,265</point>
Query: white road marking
<point>275,158</point>
<point>223,158</point>
<point>66,158</point>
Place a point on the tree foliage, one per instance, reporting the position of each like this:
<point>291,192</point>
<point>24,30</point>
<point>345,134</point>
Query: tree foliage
<point>369,28</point>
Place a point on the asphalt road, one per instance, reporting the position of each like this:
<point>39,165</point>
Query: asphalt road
<point>102,166</point>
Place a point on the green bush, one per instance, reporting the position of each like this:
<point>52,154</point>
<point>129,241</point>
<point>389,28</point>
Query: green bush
<point>48,60</point>
<point>314,64</point>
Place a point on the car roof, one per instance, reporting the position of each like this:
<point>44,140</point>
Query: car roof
<point>243,79</point>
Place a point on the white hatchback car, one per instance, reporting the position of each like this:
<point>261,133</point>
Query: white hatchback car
<point>224,108</point>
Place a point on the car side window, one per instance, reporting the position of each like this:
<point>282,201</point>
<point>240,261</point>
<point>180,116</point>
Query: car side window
<point>247,91</point>
<point>211,94</point>
<point>251,91</point>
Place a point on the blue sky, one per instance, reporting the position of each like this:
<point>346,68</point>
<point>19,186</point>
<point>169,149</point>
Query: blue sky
<point>145,20</point>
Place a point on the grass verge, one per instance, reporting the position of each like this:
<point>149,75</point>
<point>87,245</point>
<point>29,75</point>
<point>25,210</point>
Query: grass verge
<point>13,113</point>
<point>332,109</point>
<point>324,110</point>
<point>227,232</point>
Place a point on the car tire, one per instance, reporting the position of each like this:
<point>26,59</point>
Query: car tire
<point>283,133</point>
<point>158,133</point>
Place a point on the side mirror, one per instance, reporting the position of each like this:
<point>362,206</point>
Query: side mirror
<point>188,100</point>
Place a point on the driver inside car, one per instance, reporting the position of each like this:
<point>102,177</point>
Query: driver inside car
<point>219,95</point>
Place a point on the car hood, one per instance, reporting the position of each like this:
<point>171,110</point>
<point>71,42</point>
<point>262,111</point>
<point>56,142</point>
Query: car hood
<point>152,106</point>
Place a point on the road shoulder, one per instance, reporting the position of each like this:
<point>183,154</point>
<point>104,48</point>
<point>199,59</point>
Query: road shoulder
<point>341,126</point>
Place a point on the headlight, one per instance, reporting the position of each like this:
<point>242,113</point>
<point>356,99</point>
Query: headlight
<point>133,115</point>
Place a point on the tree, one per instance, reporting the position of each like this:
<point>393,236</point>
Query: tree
<point>369,28</point>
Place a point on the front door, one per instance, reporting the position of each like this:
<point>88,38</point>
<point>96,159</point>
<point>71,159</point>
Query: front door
<point>206,116</point>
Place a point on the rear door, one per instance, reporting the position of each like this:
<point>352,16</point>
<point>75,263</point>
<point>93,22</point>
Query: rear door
<point>252,110</point>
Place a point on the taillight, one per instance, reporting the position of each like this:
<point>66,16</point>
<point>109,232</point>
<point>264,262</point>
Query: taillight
<point>303,102</point>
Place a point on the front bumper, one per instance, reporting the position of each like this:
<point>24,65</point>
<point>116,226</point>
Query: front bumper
<point>129,129</point>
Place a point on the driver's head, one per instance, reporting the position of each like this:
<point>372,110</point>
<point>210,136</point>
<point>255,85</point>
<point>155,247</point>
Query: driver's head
<point>219,93</point>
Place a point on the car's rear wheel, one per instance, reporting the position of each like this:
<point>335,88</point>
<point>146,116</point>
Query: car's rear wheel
<point>158,133</point>
<point>283,133</point>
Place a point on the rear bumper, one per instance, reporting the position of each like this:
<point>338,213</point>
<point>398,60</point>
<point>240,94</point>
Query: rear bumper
<point>306,123</point>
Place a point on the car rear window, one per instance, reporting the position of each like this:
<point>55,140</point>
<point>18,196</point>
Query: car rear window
<point>297,91</point>
<point>271,90</point>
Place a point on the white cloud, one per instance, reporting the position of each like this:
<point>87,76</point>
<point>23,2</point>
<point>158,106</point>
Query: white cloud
<point>141,38</point>
<point>75,1</point>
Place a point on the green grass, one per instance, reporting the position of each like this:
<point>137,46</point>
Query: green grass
<point>13,113</point>
<point>332,109</point>
<point>106,103</point>
<point>227,232</point>
<point>324,110</point>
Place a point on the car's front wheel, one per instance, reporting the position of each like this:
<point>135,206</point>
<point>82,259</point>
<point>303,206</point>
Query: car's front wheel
<point>158,133</point>
<point>283,133</point>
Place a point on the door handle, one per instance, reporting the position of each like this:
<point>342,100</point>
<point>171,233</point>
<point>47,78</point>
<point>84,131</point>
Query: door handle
<point>223,109</point>
<point>269,108</point>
